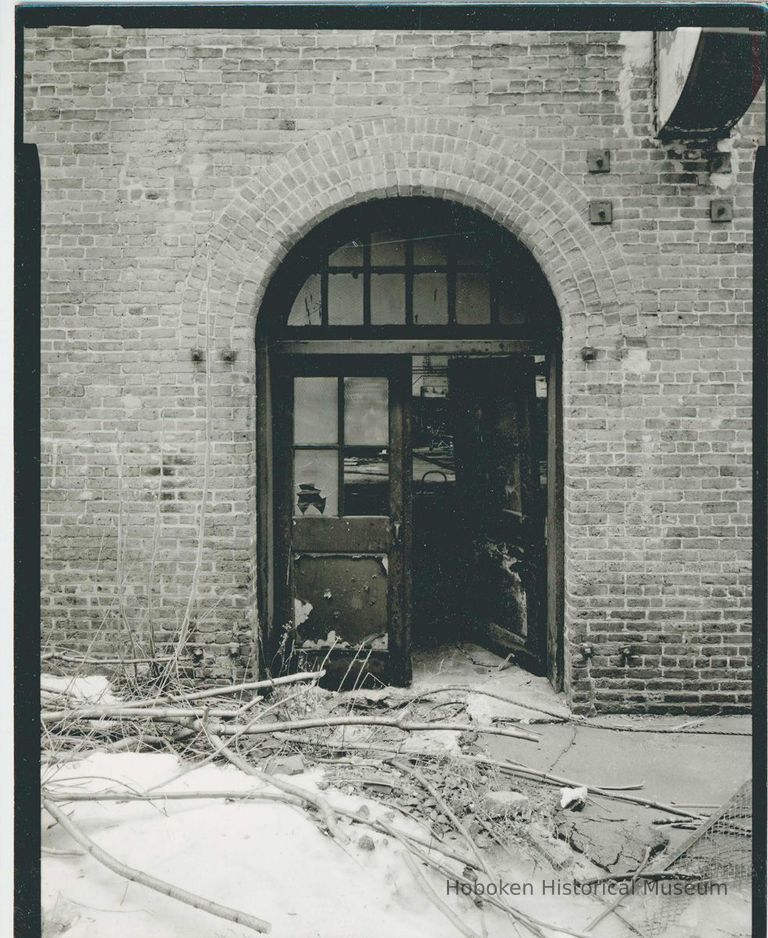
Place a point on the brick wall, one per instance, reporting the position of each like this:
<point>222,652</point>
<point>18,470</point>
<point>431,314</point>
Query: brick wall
<point>179,166</point>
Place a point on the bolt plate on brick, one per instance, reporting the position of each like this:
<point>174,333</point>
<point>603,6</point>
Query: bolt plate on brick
<point>599,161</point>
<point>721,210</point>
<point>600,212</point>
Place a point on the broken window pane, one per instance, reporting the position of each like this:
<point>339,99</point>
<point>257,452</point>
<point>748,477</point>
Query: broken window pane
<point>345,299</point>
<point>473,299</point>
<point>366,481</point>
<point>387,299</point>
<point>387,249</point>
<point>316,483</point>
<point>306,307</point>
<point>315,410</point>
<point>430,299</point>
<point>366,411</point>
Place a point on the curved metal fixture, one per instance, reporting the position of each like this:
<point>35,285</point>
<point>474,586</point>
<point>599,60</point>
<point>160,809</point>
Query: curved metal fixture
<point>706,80</point>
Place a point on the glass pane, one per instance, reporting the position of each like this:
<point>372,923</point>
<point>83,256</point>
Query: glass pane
<point>511,305</point>
<point>387,249</point>
<point>306,307</point>
<point>430,250</point>
<point>366,411</point>
<point>387,299</point>
<point>345,299</point>
<point>430,299</point>
<point>316,483</point>
<point>366,481</point>
<point>473,299</point>
<point>350,255</point>
<point>315,410</point>
<point>432,432</point>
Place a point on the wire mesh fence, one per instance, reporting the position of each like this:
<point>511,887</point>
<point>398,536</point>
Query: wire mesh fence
<point>711,869</point>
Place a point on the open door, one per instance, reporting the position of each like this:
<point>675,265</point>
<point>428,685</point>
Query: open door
<point>343,516</point>
<point>501,503</point>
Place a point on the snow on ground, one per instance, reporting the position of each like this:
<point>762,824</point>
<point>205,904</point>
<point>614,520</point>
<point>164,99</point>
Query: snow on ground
<point>266,859</point>
<point>94,688</point>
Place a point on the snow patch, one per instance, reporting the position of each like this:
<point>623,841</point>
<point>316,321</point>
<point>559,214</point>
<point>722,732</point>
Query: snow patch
<point>264,858</point>
<point>94,688</point>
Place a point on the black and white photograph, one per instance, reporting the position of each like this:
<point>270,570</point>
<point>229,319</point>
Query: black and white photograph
<point>390,392</point>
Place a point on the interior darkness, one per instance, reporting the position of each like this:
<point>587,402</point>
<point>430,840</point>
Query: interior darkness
<point>479,422</point>
<point>479,476</point>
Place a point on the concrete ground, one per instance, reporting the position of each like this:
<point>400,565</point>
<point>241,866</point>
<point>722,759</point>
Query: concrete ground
<point>702,766</point>
<point>686,767</point>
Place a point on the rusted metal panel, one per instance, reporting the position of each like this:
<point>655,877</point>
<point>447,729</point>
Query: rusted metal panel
<point>340,597</point>
<point>355,535</point>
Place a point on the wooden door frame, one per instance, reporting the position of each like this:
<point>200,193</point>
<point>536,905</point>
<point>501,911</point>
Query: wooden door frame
<point>268,354</point>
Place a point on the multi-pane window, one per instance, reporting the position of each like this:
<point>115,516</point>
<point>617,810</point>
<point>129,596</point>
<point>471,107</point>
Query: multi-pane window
<point>389,279</point>
<point>341,446</point>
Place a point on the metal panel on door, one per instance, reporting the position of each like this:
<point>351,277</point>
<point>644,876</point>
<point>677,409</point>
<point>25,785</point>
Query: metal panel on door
<point>342,508</point>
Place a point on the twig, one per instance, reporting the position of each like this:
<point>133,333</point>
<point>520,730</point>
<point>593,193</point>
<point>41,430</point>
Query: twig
<point>151,882</point>
<point>578,720</point>
<point>72,796</point>
<point>445,808</point>
<point>381,721</point>
<point>250,685</point>
<point>110,712</point>
<point>315,799</point>
<point>439,903</point>
<point>212,755</point>
<point>526,772</point>
<point>93,659</point>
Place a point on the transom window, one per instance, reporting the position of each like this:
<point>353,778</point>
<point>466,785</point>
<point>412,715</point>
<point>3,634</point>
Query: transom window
<point>407,266</point>
<point>389,279</point>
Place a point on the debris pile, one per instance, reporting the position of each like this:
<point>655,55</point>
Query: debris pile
<point>410,764</point>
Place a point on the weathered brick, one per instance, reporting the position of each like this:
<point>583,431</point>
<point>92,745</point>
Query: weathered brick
<point>178,167</point>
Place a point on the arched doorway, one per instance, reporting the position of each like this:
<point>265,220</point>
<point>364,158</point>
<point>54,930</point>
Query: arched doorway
<point>408,422</point>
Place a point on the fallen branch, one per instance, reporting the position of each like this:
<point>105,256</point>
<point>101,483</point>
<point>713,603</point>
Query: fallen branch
<point>217,751</point>
<point>71,796</point>
<point>579,720</point>
<point>393,722</point>
<point>616,795</point>
<point>315,799</point>
<point>151,882</point>
<point>432,895</point>
<point>92,659</point>
<point>112,712</point>
<point>446,809</point>
<point>171,714</point>
<point>238,688</point>
<point>650,874</point>
<point>487,693</point>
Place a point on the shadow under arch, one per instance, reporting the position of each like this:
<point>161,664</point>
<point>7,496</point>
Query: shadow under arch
<point>412,216</point>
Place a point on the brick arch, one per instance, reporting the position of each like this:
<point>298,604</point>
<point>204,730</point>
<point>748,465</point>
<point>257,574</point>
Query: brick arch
<point>400,156</point>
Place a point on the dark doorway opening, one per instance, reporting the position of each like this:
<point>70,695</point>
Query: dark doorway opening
<point>479,458</point>
<point>408,423</point>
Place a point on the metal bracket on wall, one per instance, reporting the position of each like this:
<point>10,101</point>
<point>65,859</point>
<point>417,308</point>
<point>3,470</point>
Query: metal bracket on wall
<point>721,210</point>
<point>600,212</point>
<point>599,161</point>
